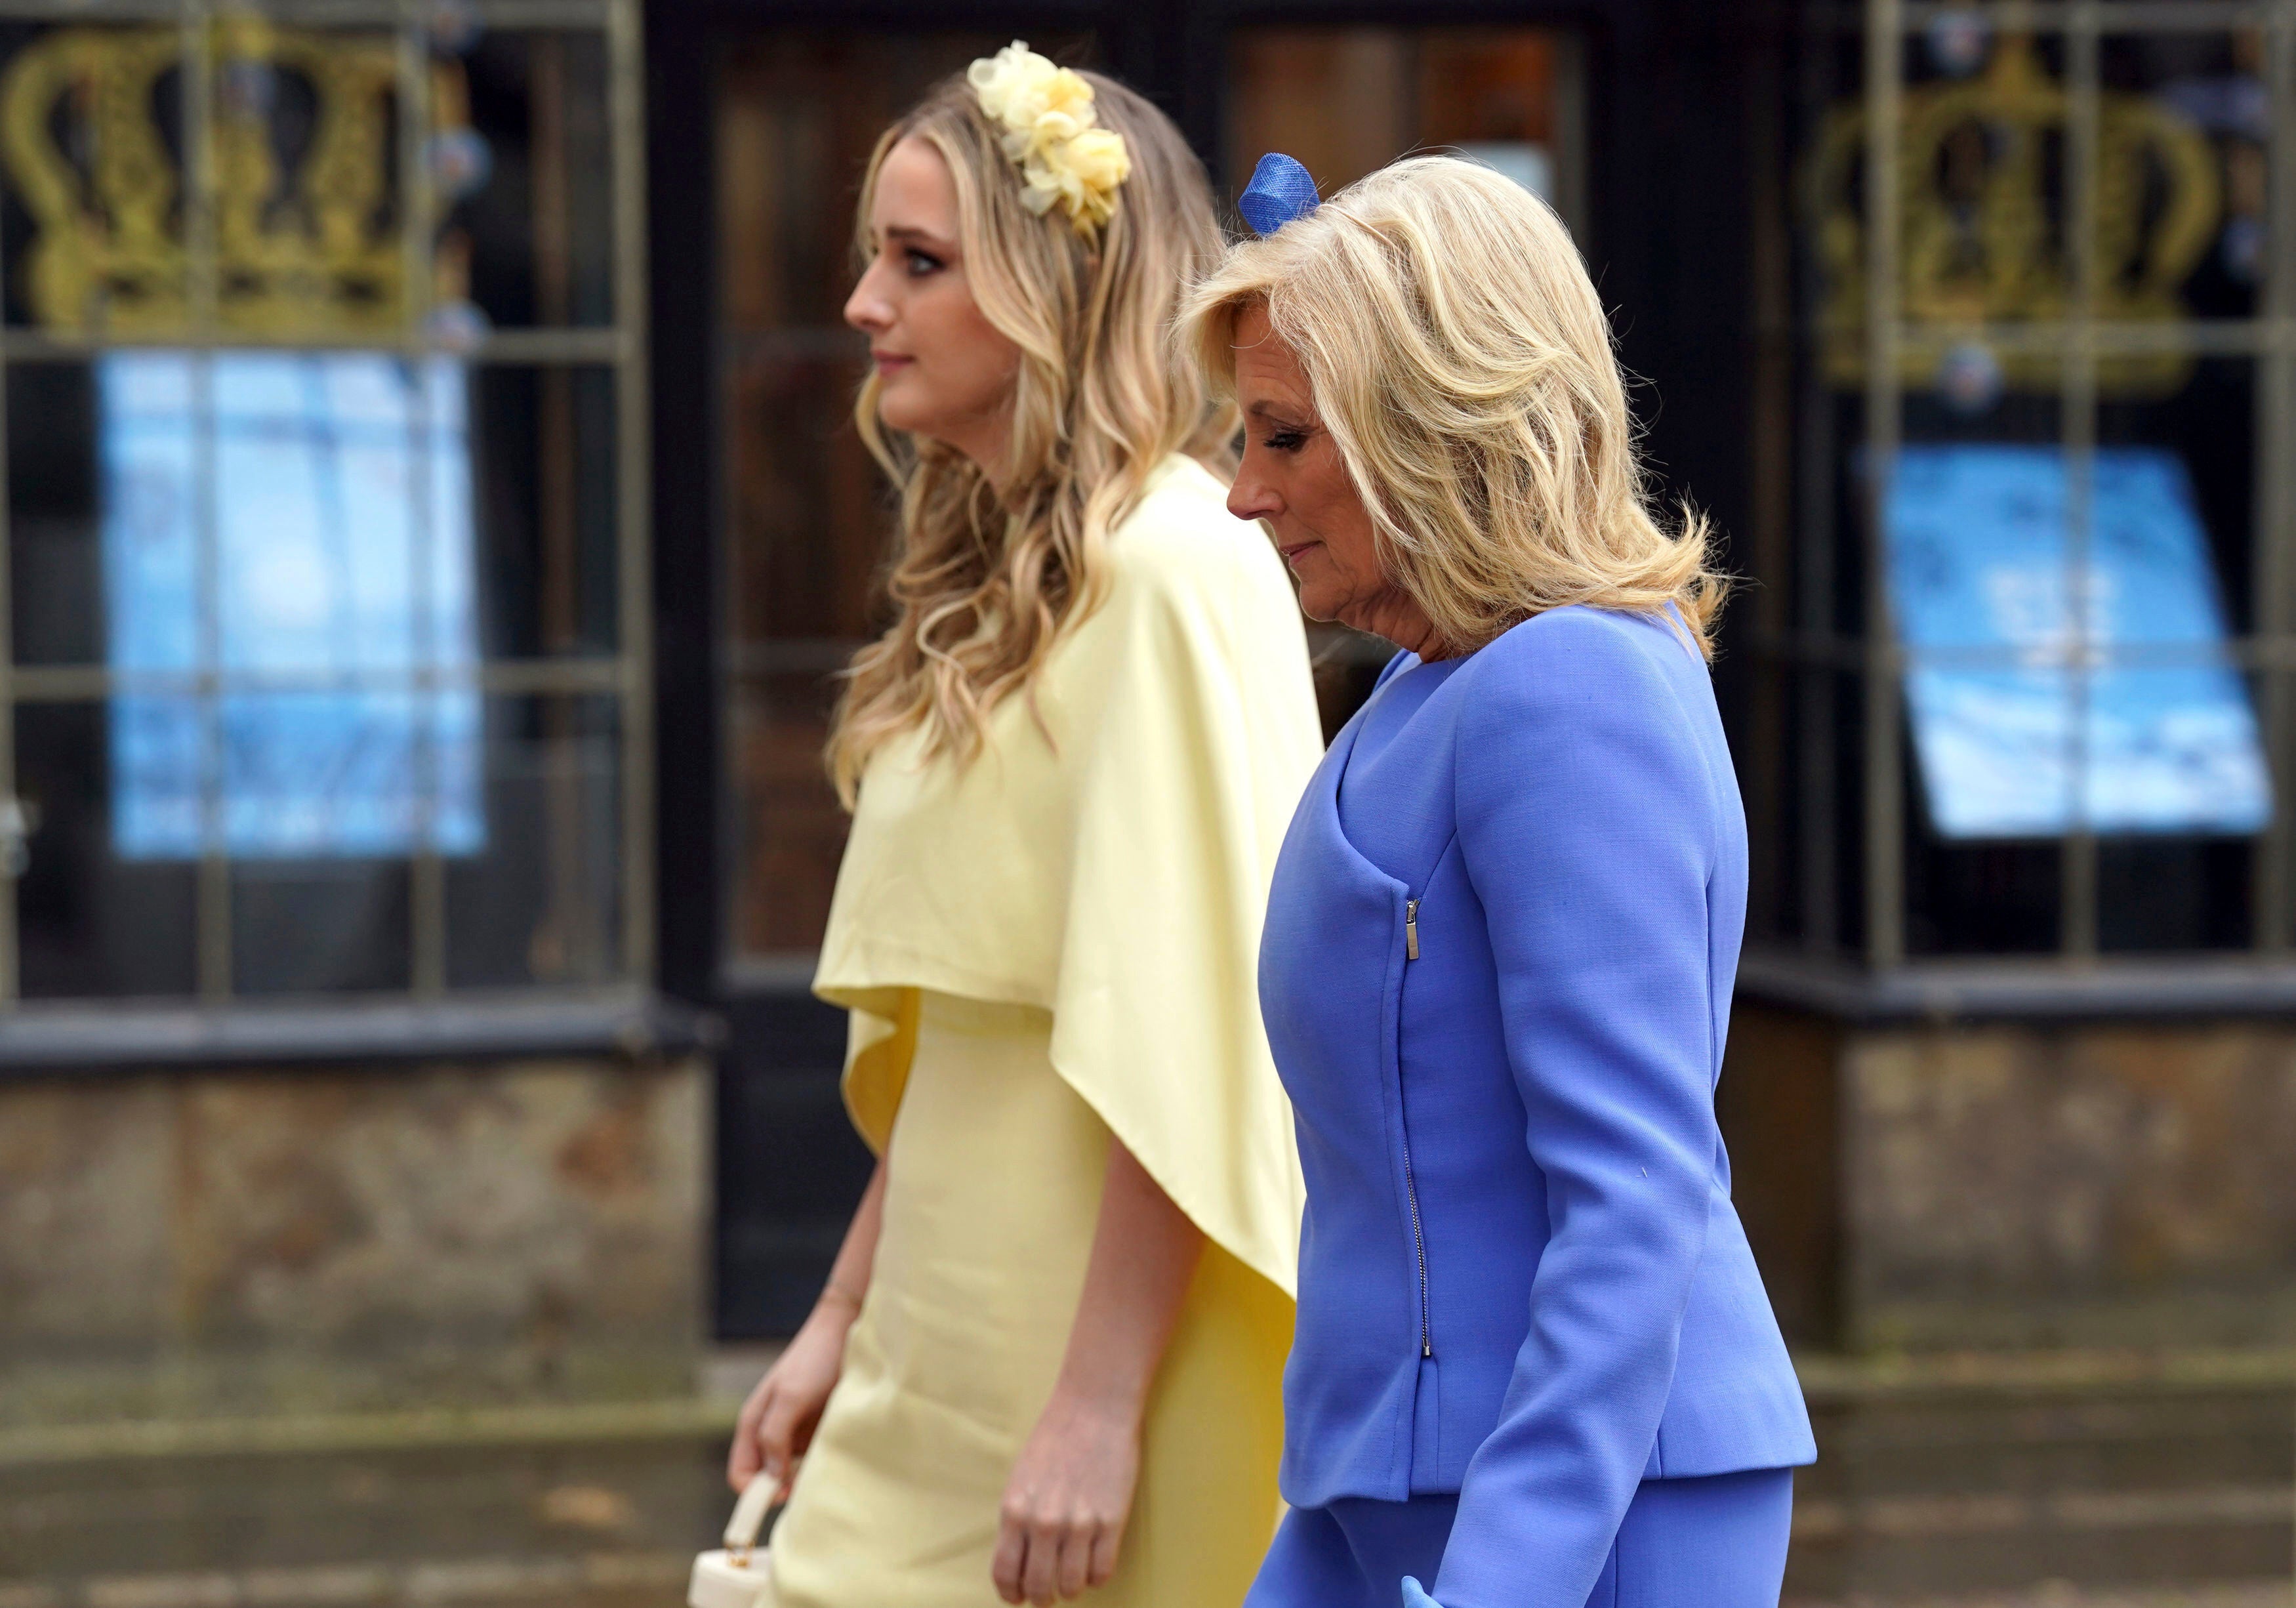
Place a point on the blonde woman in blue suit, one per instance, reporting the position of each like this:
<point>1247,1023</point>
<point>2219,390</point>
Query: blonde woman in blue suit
<point>1535,1365</point>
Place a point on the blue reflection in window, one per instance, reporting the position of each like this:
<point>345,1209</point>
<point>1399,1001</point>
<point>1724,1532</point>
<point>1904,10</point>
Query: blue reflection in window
<point>343,565</point>
<point>1977,560</point>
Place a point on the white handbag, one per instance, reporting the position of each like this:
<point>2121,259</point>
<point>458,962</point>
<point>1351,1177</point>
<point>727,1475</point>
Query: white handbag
<point>738,1575</point>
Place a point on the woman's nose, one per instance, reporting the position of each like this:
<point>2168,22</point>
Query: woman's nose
<point>867,309</point>
<point>1249,498</point>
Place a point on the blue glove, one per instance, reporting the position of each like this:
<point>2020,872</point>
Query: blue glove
<point>1414,1597</point>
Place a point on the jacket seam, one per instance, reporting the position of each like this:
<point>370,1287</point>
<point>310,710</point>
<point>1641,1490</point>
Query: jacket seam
<point>1713,856</point>
<point>1398,1446</point>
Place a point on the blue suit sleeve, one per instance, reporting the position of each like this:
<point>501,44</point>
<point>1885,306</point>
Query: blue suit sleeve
<point>1587,822</point>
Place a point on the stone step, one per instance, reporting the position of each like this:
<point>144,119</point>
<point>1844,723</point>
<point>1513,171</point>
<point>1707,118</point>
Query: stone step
<point>541,1510</point>
<point>1941,1490</point>
<point>2064,1594</point>
<point>1970,1476</point>
<point>610,1579</point>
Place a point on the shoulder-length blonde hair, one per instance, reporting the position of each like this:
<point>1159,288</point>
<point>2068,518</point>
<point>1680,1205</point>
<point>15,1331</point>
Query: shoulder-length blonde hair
<point>987,572</point>
<point>1458,354</point>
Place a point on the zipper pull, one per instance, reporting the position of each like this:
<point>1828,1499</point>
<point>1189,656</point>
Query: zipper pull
<point>1411,929</point>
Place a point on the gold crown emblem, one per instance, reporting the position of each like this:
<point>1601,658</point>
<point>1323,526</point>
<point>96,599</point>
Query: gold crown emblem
<point>308,228</point>
<point>1984,243</point>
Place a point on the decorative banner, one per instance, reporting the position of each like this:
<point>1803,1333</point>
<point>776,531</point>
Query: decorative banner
<point>343,548</point>
<point>1977,560</point>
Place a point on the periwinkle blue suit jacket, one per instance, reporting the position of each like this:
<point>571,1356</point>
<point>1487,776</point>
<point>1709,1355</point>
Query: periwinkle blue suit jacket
<point>1499,1013</point>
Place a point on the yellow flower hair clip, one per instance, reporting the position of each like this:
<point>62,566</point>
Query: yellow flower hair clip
<point>1051,130</point>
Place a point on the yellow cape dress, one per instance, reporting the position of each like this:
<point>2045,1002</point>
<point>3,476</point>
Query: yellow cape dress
<point>1051,944</point>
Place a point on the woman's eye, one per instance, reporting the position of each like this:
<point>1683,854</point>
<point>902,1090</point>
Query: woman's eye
<point>1285,440</point>
<point>920,263</point>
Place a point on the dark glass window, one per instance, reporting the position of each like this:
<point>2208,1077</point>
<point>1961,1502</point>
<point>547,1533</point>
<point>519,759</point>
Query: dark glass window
<point>2025,598</point>
<point>317,510</point>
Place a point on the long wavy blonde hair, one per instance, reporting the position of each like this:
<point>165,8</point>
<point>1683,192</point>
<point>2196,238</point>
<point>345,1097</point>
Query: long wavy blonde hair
<point>1458,354</point>
<point>989,572</point>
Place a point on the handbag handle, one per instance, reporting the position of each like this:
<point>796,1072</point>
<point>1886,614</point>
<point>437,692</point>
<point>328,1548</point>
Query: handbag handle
<point>748,1515</point>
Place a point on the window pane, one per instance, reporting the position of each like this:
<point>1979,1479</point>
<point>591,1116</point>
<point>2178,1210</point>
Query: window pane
<point>2150,737</point>
<point>2161,894</point>
<point>308,220</point>
<point>1984,898</point>
<point>2069,661</point>
<point>2144,551</point>
<point>2207,426</point>
<point>1838,551</point>
<point>807,505</point>
<point>798,113</point>
<point>514,469</point>
<point>319,926</point>
<point>348,774</point>
<point>791,831</point>
<point>1345,101</point>
<point>310,210</point>
<point>1821,790</point>
<point>2184,135</point>
<point>255,587</point>
<point>1984,210</point>
<point>55,515</point>
<point>547,483</point>
<point>542,904</point>
<point>89,232</point>
<point>91,922</point>
<point>522,156</point>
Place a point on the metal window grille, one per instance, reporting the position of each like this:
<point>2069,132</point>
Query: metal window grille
<point>616,346</point>
<point>1836,643</point>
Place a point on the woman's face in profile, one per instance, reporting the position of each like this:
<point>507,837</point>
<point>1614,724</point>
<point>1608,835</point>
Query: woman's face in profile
<point>943,370</point>
<point>1293,477</point>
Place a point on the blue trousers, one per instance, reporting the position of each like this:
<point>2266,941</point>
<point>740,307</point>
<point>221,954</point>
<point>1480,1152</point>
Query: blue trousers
<point>1716,1542</point>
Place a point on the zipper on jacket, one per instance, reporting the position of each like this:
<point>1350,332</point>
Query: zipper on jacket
<point>1410,1182</point>
<point>1418,1244</point>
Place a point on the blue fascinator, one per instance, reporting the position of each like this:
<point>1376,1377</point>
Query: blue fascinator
<point>1280,190</point>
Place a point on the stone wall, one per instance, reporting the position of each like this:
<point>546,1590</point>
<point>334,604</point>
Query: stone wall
<point>2019,1186</point>
<point>193,1243</point>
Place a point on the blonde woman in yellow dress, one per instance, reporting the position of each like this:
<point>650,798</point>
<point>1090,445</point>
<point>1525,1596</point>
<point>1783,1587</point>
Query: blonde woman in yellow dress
<point>1048,1360</point>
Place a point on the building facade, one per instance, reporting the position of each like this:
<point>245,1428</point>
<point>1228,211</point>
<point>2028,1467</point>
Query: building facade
<point>433,524</point>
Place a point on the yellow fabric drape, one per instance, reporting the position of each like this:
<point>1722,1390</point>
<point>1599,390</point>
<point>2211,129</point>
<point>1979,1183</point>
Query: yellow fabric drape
<point>1110,867</point>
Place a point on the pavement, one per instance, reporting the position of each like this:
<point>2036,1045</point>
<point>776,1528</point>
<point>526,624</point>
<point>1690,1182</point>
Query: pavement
<point>641,1580</point>
<point>1922,1497</point>
<point>2258,1594</point>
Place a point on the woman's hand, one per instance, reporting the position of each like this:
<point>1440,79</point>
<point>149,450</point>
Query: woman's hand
<point>1066,1506</point>
<point>778,1419</point>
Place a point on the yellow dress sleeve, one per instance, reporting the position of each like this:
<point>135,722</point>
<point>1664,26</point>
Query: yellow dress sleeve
<point>880,1041</point>
<point>1204,732</point>
<point>1106,859</point>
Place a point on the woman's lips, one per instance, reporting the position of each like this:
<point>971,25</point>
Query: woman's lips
<point>891,363</point>
<point>1292,551</point>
